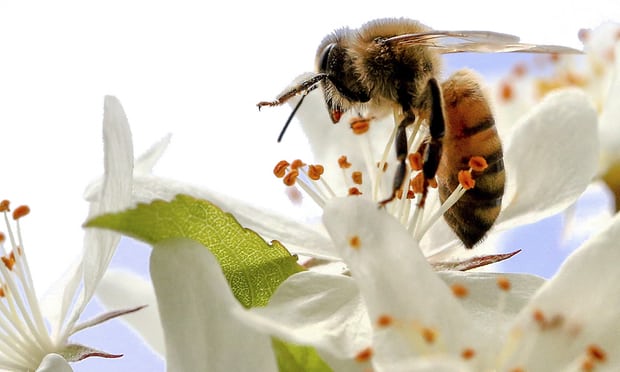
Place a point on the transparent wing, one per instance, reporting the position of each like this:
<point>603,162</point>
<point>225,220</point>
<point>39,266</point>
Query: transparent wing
<point>475,41</point>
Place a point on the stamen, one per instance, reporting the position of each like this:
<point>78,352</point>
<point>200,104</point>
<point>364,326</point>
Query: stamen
<point>291,178</point>
<point>355,242</point>
<point>364,355</point>
<point>296,164</point>
<point>280,169</point>
<point>9,261</point>
<point>385,320</point>
<point>315,171</point>
<point>360,125</point>
<point>343,162</point>
<point>429,335</point>
<point>357,177</point>
<point>466,180</point>
<point>354,191</point>
<point>468,354</point>
<point>4,206</point>
<point>459,290</point>
<point>478,163</point>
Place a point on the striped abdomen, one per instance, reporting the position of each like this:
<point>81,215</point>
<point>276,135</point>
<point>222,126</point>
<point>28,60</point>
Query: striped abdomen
<point>470,131</point>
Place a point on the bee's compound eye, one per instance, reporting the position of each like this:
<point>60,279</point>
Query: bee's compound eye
<point>325,57</point>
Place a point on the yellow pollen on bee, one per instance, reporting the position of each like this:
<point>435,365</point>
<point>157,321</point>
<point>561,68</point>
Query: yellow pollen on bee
<point>364,355</point>
<point>354,191</point>
<point>478,163</point>
<point>280,169</point>
<point>4,206</point>
<point>384,320</point>
<point>415,161</point>
<point>466,180</point>
<point>357,177</point>
<point>459,290</point>
<point>503,283</point>
<point>355,242</point>
<point>468,353</point>
<point>429,335</point>
<point>296,164</point>
<point>343,162</point>
<point>315,171</point>
<point>291,178</point>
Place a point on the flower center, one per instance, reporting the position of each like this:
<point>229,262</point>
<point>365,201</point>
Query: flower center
<point>368,176</point>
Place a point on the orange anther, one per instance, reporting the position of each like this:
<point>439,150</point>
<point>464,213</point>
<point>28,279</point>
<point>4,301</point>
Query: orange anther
<point>478,163</point>
<point>343,162</point>
<point>364,355</point>
<point>468,353</point>
<point>459,290</point>
<point>539,316</point>
<point>296,164</point>
<point>385,320</point>
<point>4,206</point>
<point>417,183</point>
<point>506,92</point>
<point>355,242</point>
<point>519,69</point>
<point>9,261</point>
<point>20,212</point>
<point>429,335</point>
<point>354,191</point>
<point>291,178</point>
<point>357,177</point>
<point>360,125</point>
<point>596,352</point>
<point>2,238</point>
<point>415,161</point>
<point>503,283</point>
<point>466,180</point>
<point>315,171</point>
<point>280,169</point>
<point>2,294</point>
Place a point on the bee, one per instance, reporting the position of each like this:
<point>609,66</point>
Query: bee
<point>394,66</point>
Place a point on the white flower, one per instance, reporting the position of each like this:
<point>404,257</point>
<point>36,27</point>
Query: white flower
<point>405,318</point>
<point>34,335</point>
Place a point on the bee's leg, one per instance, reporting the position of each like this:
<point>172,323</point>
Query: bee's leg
<point>432,152</point>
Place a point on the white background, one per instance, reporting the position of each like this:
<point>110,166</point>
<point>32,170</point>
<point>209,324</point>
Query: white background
<point>193,69</point>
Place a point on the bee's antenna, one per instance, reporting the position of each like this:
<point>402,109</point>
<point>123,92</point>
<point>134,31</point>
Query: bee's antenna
<point>290,118</point>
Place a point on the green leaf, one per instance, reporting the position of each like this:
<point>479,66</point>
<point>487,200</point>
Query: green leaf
<point>253,268</point>
<point>294,358</point>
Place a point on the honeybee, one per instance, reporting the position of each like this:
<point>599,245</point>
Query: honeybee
<point>393,66</point>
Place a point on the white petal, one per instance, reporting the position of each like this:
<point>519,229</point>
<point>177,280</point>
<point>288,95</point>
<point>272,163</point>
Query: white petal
<point>54,363</point>
<point>122,289</point>
<point>300,238</point>
<point>195,305</point>
<point>396,283</point>
<point>579,307</point>
<point>551,158</point>
<point>145,162</point>
<point>609,127</point>
<point>323,311</point>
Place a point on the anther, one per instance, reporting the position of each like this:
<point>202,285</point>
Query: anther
<point>478,163</point>
<point>364,355</point>
<point>459,290</point>
<point>506,91</point>
<point>2,294</point>
<point>355,242</point>
<point>468,353</point>
<point>343,162</point>
<point>20,212</point>
<point>415,161</point>
<point>597,353</point>
<point>9,261</point>
<point>280,169</point>
<point>503,283</point>
<point>290,178</point>
<point>384,320</point>
<point>354,191</point>
<point>360,125</point>
<point>296,164</point>
<point>417,183</point>
<point>429,335</point>
<point>315,171</point>
<point>2,238</point>
<point>466,180</point>
<point>539,317</point>
<point>519,70</point>
<point>357,177</point>
<point>4,206</point>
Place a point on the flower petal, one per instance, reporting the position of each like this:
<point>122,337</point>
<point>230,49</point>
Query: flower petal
<point>609,128</point>
<point>551,158</point>
<point>319,310</point>
<point>195,305</point>
<point>412,310</point>
<point>54,363</point>
<point>574,315</point>
<point>120,289</point>
<point>300,238</point>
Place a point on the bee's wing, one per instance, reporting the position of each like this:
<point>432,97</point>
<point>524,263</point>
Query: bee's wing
<point>475,41</point>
